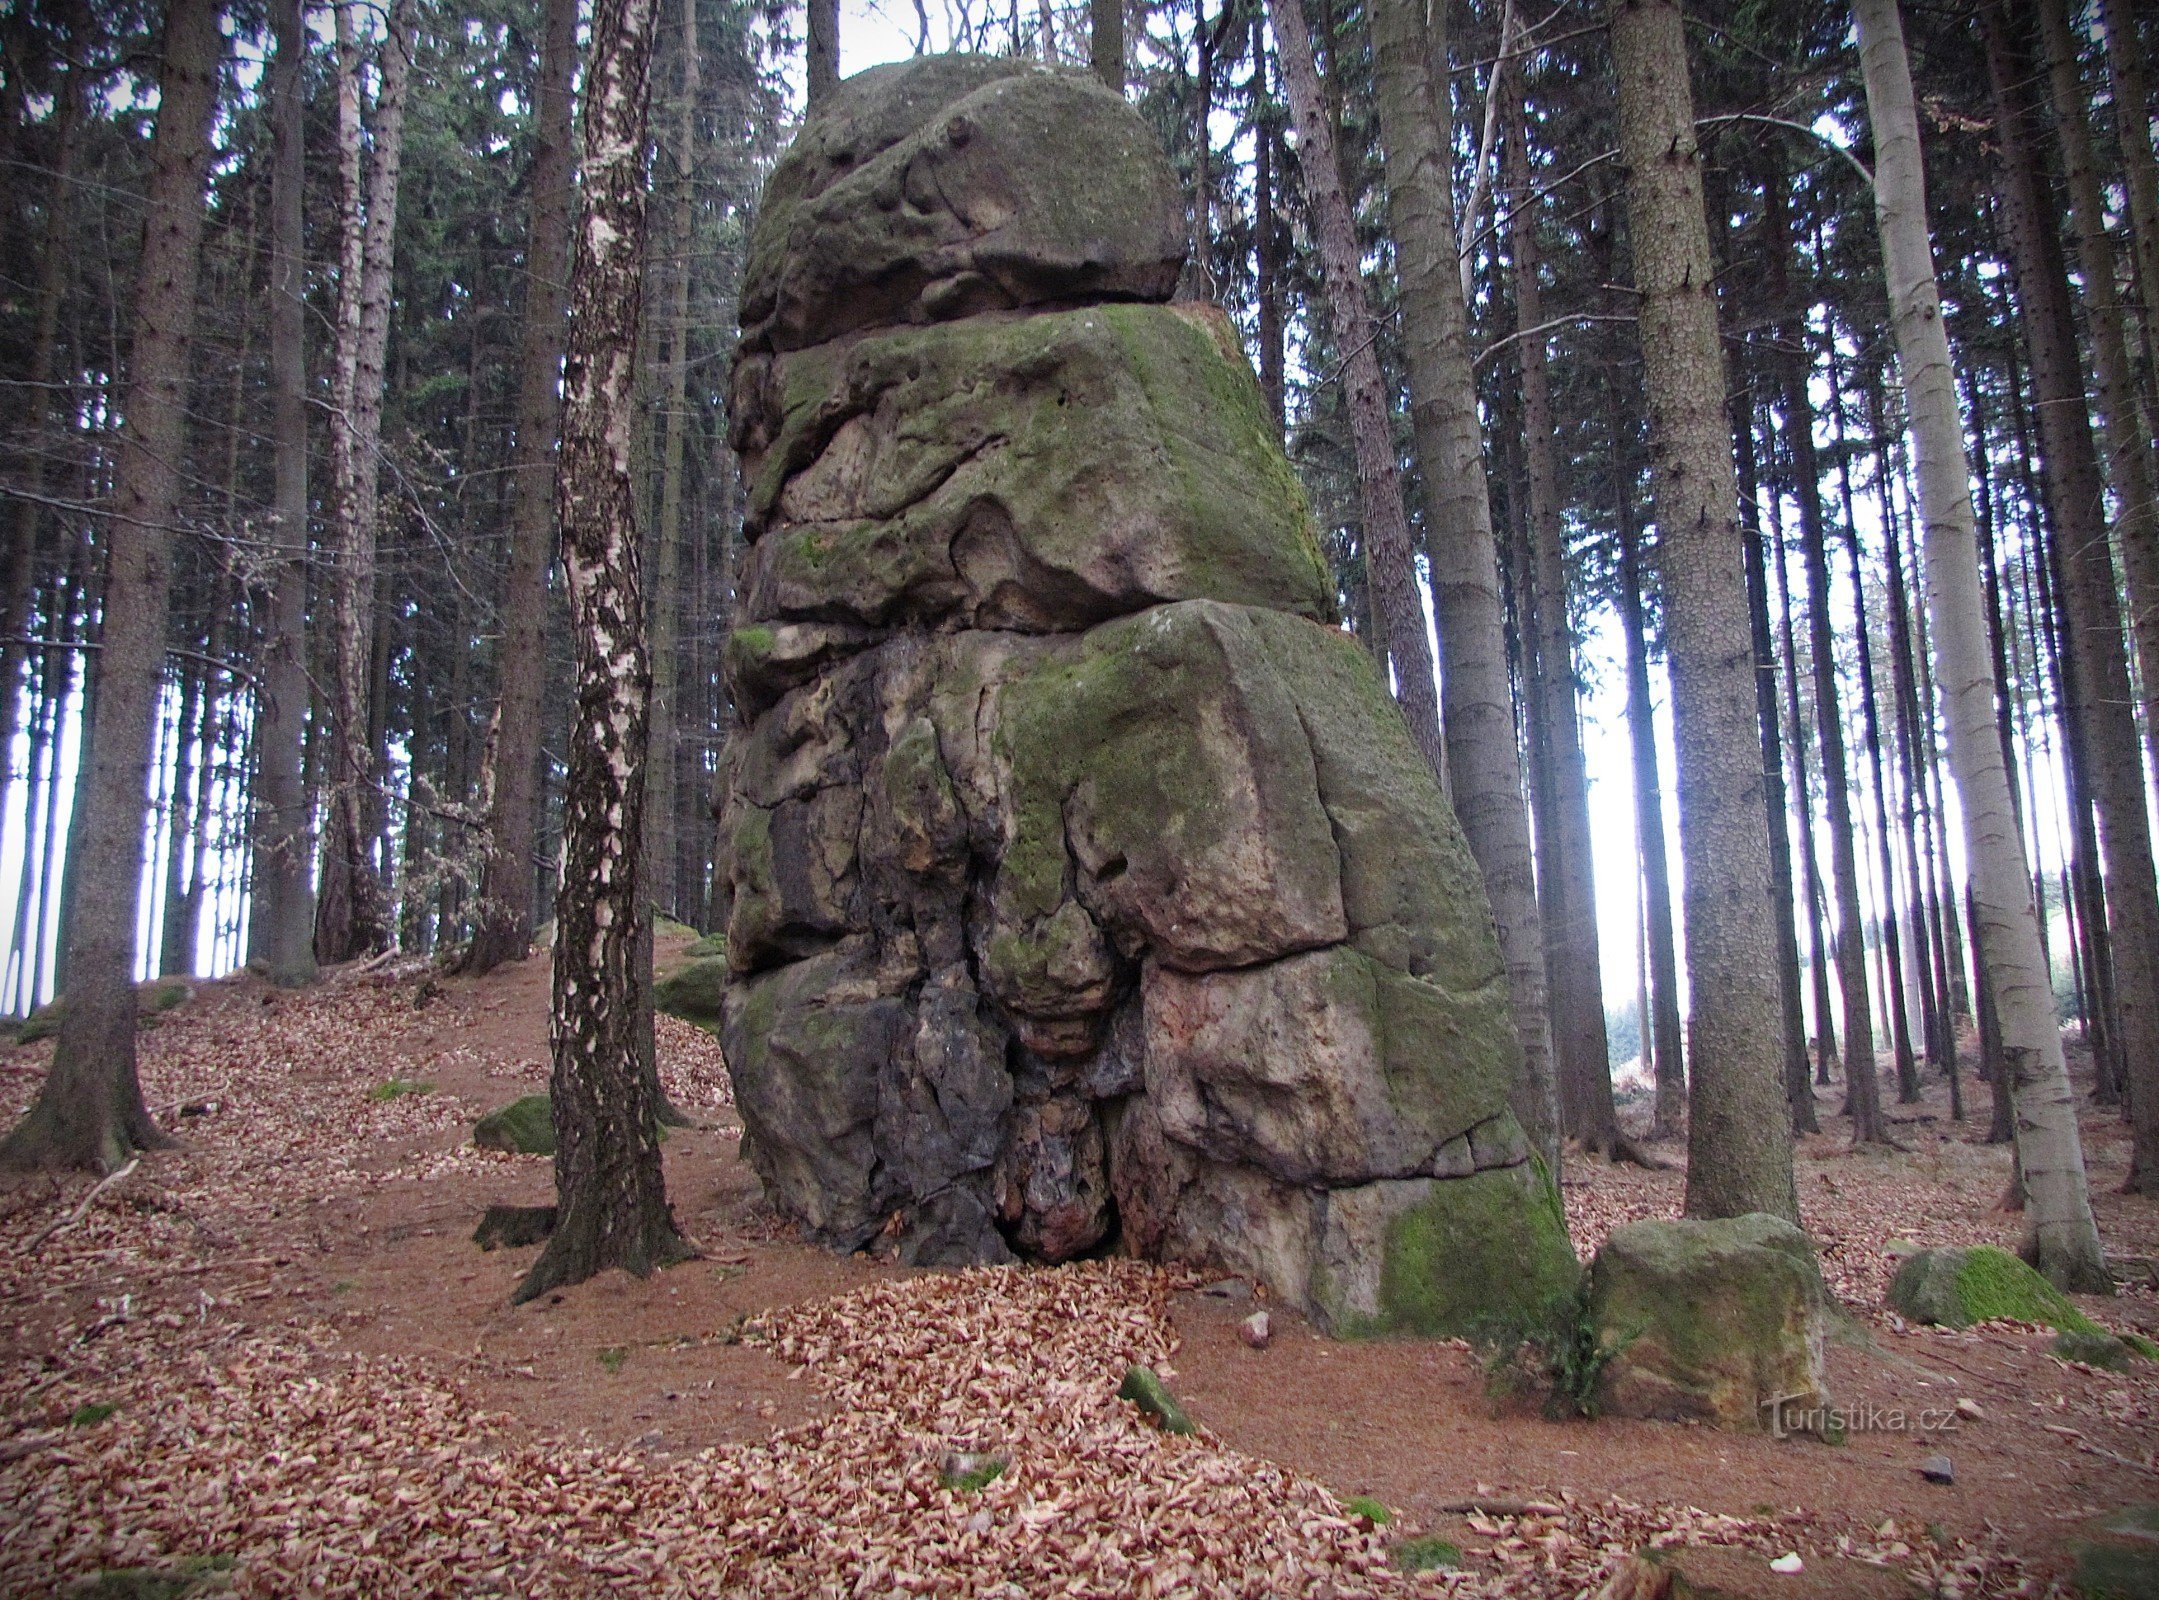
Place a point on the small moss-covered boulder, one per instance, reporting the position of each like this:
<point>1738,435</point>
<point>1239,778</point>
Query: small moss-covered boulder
<point>524,1127</point>
<point>696,990</point>
<point>1956,1288</point>
<point>2118,1558</point>
<point>1720,1322</point>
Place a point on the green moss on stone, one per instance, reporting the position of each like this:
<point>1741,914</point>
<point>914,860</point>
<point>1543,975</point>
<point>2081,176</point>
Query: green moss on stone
<point>1477,1247</point>
<point>694,991</point>
<point>2094,1349</point>
<point>523,1127</point>
<point>1955,1288</point>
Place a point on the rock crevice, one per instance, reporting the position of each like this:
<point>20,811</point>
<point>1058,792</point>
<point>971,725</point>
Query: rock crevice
<point>1083,888</point>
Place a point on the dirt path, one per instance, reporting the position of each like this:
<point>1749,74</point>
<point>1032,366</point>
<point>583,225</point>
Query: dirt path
<point>315,1371</point>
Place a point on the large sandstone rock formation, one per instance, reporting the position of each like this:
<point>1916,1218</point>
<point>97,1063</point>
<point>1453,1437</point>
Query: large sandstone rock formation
<point>1085,889</point>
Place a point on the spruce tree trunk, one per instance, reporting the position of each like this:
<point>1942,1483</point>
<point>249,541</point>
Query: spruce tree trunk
<point>2126,75</point>
<point>89,1112</point>
<point>666,604</point>
<point>504,916</point>
<point>1483,756</point>
<point>821,50</point>
<point>282,915</point>
<point>1106,50</point>
<point>1567,903</point>
<point>2101,706</point>
<point>352,915</point>
<point>2061,1237</point>
<point>2129,468</point>
<point>1388,558</point>
<point>1266,233</point>
<point>1798,1091</point>
<point>1739,1134</point>
<point>611,1199</point>
<point>1862,1088</point>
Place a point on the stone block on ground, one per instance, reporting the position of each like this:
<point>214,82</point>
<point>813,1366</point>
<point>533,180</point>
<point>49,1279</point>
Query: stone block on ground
<point>695,990</point>
<point>1954,1288</point>
<point>524,1127</point>
<point>1720,1322</point>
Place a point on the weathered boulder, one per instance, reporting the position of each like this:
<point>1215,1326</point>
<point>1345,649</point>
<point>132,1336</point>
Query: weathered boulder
<point>695,990</point>
<point>1721,1322</point>
<point>943,186</point>
<point>524,1127</point>
<point>1083,889</point>
<point>1955,1288</point>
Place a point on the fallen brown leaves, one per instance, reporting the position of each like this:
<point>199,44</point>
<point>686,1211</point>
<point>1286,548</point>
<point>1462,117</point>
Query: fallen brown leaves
<point>146,1419</point>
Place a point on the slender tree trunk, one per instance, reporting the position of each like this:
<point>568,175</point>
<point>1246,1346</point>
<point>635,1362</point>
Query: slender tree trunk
<point>1266,233</point>
<point>352,916</point>
<point>667,532</point>
<point>504,915</point>
<point>2140,171</point>
<point>2128,441</point>
<point>1665,1033</point>
<point>821,50</point>
<point>281,921</point>
<point>1798,1091</point>
<point>1364,390</point>
<point>2103,707</point>
<point>1862,1091</point>
<point>89,1112</point>
<point>1106,44</point>
<point>2061,1237</point>
<point>1203,156</point>
<point>56,259</point>
<point>1567,903</point>
<point>612,1206</point>
<point>1739,1135</point>
<point>1483,755</point>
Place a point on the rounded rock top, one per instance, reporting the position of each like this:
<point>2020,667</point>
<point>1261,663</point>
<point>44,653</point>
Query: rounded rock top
<point>936,188</point>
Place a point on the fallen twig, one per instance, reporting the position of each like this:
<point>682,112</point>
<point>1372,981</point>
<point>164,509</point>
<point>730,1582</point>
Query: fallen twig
<point>82,1209</point>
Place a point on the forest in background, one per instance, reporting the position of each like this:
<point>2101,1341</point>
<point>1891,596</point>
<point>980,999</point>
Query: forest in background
<point>363,711</point>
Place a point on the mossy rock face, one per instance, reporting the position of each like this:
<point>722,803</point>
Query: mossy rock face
<point>1043,474</point>
<point>1082,885</point>
<point>696,990</point>
<point>946,185</point>
<point>1720,1322</point>
<point>1954,1288</point>
<point>525,1126</point>
<point>1442,1257</point>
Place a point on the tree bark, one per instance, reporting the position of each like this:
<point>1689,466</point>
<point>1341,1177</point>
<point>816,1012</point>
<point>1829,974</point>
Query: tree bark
<point>503,919</point>
<point>611,1196</point>
<point>1106,42</point>
<point>352,915</point>
<point>2140,171</point>
<point>1364,390</point>
<point>89,1112</point>
<point>1483,755</point>
<point>1567,901</point>
<point>282,916</point>
<point>821,50</point>
<point>2102,706</point>
<point>1739,1135</point>
<point>2061,1237</point>
<point>1266,233</point>
<point>2128,444</point>
<point>1862,1088</point>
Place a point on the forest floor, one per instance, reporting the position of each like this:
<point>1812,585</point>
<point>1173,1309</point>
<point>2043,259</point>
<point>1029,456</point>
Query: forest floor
<point>277,1346</point>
